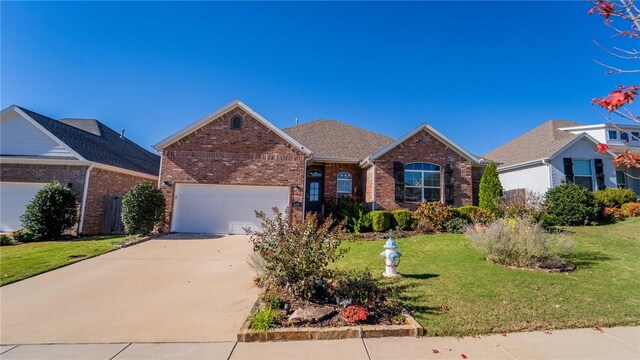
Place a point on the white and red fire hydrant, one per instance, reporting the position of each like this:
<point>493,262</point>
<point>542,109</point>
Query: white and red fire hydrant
<point>391,258</point>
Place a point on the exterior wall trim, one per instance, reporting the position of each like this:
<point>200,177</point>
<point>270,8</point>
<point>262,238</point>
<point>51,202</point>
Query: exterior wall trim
<point>41,161</point>
<point>125,171</point>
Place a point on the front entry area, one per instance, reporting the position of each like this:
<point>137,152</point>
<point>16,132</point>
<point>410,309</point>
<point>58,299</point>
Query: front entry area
<point>224,209</point>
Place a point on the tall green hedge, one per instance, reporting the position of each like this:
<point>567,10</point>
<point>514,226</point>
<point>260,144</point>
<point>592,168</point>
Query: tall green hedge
<point>490,189</point>
<point>143,209</point>
<point>52,211</point>
<point>380,220</point>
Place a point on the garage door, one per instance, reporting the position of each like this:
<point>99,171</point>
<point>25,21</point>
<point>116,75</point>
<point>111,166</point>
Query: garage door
<point>220,209</point>
<point>14,198</point>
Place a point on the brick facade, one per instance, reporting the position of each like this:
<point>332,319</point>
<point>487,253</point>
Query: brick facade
<point>72,175</point>
<point>103,183</point>
<point>331,179</point>
<point>217,154</point>
<point>422,147</point>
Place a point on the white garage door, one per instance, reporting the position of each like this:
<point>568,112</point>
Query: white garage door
<point>14,198</point>
<point>221,209</point>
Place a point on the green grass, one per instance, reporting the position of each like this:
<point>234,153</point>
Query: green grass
<point>452,290</point>
<point>21,261</point>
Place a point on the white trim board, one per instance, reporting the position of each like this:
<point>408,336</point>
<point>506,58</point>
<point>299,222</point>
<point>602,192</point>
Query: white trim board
<point>216,114</point>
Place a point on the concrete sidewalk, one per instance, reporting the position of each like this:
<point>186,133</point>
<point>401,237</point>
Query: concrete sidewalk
<point>611,343</point>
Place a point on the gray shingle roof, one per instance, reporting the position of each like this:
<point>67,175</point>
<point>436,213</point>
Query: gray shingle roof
<point>334,139</point>
<point>107,148</point>
<point>539,143</point>
<point>619,149</point>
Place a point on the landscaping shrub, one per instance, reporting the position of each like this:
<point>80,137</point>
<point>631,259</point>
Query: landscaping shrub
<point>431,216</point>
<point>355,213</point>
<point>464,212</point>
<point>361,222</point>
<point>490,189</point>
<point>614,197</point>
<point>22,235</point>
<point>613,214</point>
<point>402,218</point>
<point>358,287</point>
<point>519,203</point>
<point>455,225</point>
<point>5,240</point>
<point>263,319</point>
<point>297,255</point>
<point>519,242</point>
<point>482,217</point>
<point>571,204</point>
<point>52,211</point>
<point>631,209</point>
<point>143,209</point>
<point>355,314</point>
<point>380,220</point>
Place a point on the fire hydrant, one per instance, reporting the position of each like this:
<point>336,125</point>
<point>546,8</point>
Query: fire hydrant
<point>391,258</point>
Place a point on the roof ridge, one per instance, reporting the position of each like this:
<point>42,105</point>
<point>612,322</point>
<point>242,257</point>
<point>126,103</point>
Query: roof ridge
<point>341,123</point>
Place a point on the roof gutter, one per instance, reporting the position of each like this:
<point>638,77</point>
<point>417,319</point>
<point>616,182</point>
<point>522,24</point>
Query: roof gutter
<point>524,164</point>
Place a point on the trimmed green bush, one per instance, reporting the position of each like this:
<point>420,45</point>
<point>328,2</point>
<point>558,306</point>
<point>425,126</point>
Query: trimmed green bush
<point>614,197</point>
<point>455,225</point>
<point>464,212</point>
<point>571,204</point>
<point>22,235</point>
<point>402,218</point>
<point>380,220</point>
<point>490,189</point>
<point>52,211</point>
<point>143,209</point>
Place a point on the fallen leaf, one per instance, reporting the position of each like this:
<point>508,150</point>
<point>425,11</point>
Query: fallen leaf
<point>504,334</point>
<point>435,351</point>
<point>448,349</point>
<point>463,356</point>
<point>548,332</point>
<point>597,328</point>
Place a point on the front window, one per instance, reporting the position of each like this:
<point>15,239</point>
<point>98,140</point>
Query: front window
<point>622,179</point>
<point>344,184</point>
<point>635,135</point>
<point>613,134</point>
<point>582,173</point>
<point>624,136</point>
<point>422,182</point>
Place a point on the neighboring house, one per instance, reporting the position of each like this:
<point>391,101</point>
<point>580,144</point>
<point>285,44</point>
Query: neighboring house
<point>94,161</point>
<point>559,151</point>
<point>218,170</point>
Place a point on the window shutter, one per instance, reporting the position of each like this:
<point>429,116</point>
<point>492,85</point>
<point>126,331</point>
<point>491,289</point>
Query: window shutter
<point>599,173</point>
<point>568,169</point>
<point>448,184</point>
<point>398,175</point>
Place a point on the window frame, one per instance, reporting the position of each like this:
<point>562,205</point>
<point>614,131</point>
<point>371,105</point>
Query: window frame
<point>340,194</point>
<point>232,122</point>
<point>624,135</point>
<point>591,168</point>
<point>612,132</point>
<point>423,187</point>
<point>635,136</point>
<point>624,184</point>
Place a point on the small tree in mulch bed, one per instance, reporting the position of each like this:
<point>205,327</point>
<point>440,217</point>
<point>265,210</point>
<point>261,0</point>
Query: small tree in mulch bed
<point>143,209</point>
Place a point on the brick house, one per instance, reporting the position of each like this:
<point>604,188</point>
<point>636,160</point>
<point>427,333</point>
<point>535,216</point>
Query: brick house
<point>217,171</point>
<point>95,162</point>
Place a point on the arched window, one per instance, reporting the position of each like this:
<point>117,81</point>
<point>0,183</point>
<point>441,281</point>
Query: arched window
<point>422,182</point>
<point>236,123</point>
<point>344,184</point>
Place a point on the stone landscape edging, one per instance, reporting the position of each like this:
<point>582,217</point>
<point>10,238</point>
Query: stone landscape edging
<point>410,328</point>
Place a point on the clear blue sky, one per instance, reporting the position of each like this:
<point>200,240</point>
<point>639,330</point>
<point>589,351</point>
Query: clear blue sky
<point>482,73</point>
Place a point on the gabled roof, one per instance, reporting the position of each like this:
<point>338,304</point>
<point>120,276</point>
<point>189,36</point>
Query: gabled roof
<point>230,106</point>
<point>107,148</point>
<point>540,143</point>
<point>331,139</point>
<point>438,135</point>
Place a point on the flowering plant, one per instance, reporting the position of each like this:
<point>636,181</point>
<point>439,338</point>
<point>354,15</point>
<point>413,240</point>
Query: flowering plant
<point>354,314</point>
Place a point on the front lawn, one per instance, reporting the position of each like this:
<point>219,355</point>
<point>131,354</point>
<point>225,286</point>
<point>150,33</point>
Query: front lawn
<point>21,261</point>
<point>452,290</point>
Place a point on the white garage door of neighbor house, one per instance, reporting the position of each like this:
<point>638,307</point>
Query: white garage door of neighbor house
<point>14,198</point>
<point>221,209</point>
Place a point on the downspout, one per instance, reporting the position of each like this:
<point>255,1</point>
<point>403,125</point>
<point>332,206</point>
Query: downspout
<point>304,188</point>
<point>83,206</point>
<point>160,170</point>
<point>546,162</point>
<point>373,187</point>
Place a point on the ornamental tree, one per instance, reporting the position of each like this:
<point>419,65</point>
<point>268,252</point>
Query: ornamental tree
<point>623,18</point>
<point>490,189</point>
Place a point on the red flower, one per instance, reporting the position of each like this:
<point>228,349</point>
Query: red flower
<point>604,8</point>
<point>354,314</point>
<point>602,148</point>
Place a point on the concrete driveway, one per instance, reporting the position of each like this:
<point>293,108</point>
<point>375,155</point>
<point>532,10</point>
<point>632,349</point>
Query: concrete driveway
<point>179,288</point>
